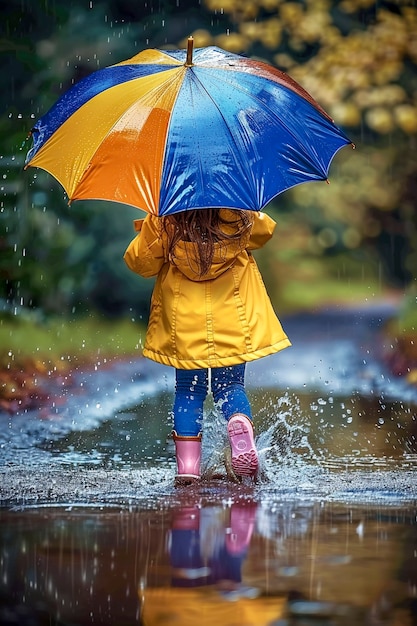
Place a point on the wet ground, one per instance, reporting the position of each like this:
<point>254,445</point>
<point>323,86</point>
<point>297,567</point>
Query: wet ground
<point>93,531</point>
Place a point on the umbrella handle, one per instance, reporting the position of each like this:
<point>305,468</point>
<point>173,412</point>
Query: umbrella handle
<point>190,45</point>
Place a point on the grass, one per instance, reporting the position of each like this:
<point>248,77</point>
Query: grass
<point>407,317</point>
<point>64,340</point>
<point>316,294</point>
<point>35,352</point>
<point>402,332</point>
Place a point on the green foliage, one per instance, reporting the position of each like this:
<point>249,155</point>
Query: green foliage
<point>62,259</point>
<point>357,57</point>
<point>407,319</point>
<point>81,339</point>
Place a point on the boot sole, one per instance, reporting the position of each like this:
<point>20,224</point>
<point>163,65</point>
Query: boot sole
<point>244,456</point>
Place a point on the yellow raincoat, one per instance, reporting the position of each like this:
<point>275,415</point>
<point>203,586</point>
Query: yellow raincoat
<point>205,606</point>
<point>221,319</point>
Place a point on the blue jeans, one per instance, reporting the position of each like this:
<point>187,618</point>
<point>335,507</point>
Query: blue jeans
<point>191,389</point>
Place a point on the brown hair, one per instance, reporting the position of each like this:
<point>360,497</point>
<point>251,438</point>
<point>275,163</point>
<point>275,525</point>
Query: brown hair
<point>203,227</point>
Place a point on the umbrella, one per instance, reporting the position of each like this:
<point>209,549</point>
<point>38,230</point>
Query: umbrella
<point>167,131</point>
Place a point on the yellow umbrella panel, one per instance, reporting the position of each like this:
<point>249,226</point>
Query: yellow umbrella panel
<point>112,147</point>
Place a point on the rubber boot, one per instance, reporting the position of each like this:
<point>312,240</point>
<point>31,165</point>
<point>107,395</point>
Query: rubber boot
<point>188,453</point>
<point>244,455</point>
<point>186,518</point>
<point>242,524</point>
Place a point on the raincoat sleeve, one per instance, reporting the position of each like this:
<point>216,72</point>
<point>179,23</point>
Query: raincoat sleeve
<point>145,254</point>
<point>262,231</point>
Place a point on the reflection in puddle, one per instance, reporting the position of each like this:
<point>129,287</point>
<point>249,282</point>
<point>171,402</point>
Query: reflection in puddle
<point>238,563</point>
<point>96,534</point>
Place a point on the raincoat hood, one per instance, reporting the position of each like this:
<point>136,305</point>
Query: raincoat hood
<point>186,255</point>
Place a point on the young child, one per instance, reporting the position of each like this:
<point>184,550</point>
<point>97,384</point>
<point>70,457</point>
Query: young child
<point>209,311</point>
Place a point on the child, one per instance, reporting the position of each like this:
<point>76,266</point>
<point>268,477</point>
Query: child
<point>209,311</point>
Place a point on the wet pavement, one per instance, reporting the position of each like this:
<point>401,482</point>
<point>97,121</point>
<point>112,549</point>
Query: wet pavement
<point>93,531</point>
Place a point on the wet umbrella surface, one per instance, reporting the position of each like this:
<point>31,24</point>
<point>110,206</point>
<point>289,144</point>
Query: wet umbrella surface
<point>93,531</point>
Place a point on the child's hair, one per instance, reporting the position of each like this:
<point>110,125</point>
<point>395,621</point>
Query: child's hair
<point>203,227</point>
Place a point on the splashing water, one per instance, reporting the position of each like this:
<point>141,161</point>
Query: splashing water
<point>336,440</point>
<point>325,448</point>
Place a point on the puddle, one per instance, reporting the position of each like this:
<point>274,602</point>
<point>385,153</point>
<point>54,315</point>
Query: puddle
<point>194,561</point>
<point>93,531</point>
<point>323,447</point>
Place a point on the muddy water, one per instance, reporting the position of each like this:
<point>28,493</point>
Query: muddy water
<point>93,532</point>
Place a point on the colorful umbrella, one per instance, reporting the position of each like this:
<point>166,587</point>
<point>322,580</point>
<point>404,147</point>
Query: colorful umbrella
<point>166,132</point>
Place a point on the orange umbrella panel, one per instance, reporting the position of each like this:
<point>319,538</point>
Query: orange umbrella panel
<point>91,139</point>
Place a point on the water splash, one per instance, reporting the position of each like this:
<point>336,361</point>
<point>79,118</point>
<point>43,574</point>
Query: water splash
<point>323,449</point>
<point>284,439</point>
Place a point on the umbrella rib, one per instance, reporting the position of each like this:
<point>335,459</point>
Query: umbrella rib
<point>218,108</point>
<point>259,104</point>
<point>149,100</point>
<point>264,106</point>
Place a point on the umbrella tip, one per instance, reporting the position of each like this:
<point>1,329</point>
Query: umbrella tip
<point>190,45</point>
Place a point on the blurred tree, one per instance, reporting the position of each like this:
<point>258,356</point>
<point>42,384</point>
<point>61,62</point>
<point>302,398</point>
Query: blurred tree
<point>54,258</point>
<point>356,57</point>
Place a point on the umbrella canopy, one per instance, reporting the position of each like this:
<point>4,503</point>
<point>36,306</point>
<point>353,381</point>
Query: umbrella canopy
<point>167,131</point>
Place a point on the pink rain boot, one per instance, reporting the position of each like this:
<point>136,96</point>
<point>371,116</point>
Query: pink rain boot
<point>188,452</point>
<point>186,518</point>
<point>244,454</point>
<point>242,524</point>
